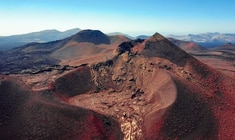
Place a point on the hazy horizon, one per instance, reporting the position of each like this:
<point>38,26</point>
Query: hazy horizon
<point>130,17</point>
<point>132,35</point>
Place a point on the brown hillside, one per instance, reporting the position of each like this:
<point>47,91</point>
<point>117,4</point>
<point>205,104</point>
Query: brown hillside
<point>157,91</point>
<point>151,88</point>
<point>28,115</point>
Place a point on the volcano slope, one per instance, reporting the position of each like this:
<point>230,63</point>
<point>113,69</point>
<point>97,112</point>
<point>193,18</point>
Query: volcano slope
<point>154,90</point>
<point>151,88</point>
<point>29,115</point>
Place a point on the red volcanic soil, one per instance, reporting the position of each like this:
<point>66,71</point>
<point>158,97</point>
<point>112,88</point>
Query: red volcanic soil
<point>157,92</point>
<point>149,89</point>
<point>224,66</point>
<point>28,115</point>
<point>189,117</point>
<point>77,82</point>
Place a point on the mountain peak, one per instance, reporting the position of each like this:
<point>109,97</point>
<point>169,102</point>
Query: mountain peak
<point>159,46</point>
<point>156,37</point>
<point>92,36</point>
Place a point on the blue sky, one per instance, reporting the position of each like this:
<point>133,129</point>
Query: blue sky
<point>132,17</point>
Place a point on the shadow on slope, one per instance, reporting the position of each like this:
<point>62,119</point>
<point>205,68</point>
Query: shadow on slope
<point>28,115</point>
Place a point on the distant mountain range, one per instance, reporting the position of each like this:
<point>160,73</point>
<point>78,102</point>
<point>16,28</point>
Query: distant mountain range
<point>142,37</point>
<point>8,42</point>
<point>122,34</point>
<point>208,40</point>
<point>188,46</point>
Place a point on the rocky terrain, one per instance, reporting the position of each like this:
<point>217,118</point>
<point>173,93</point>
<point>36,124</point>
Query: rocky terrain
<point>139,89</point>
